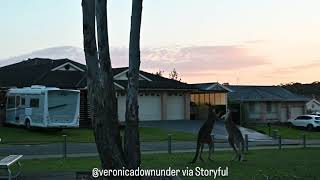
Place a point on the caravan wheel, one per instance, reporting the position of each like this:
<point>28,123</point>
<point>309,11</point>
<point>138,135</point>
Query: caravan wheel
<point>27,124</point>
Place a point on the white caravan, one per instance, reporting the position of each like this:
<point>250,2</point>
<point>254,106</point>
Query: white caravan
<point>40,106</point>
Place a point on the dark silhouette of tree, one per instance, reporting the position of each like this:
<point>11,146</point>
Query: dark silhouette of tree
<point>159,73</point>
<point>132,142</point>
<point>309,90</point>
<point>101,93</point>
<point>174,75</point>
<point>101,90</point>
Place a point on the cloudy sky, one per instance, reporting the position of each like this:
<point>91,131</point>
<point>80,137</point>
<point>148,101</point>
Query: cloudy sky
<point>235,41</point>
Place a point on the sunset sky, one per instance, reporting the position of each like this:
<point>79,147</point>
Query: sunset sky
<point>235,41</point>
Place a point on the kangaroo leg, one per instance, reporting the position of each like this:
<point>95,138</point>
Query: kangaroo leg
<point>239,145</point>
<point>210,151</point>
<point>197,153</point>
<point>231,142</point>
<point>242,158</point>
<point>201,150</point>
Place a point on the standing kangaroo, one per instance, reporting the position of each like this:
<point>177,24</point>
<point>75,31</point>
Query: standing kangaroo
<point>235,137</point>
<point>204,134</point>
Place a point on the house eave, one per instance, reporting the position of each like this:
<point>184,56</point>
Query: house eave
<point>269,100</point>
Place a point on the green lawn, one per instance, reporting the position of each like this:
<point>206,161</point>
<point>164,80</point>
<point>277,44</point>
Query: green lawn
<point>281,163</point>
<point>19,135</point>
<point>288,132</point>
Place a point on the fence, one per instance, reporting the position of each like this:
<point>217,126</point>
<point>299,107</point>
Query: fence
<point>170,143</point>
<point>277,143</point>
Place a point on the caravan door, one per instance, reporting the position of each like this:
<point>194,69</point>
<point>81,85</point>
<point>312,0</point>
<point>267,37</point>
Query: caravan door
<point>11,109</point>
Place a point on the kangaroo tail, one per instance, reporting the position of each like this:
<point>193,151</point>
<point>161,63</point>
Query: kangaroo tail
<point>197,153</point>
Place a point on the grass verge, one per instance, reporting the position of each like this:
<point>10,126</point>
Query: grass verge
<point>19,135</point>
<point>287,131</point>
<point>286,163</point>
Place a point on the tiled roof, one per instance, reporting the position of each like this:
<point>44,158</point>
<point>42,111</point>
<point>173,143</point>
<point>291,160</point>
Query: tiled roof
<point>38,71</point>
<point>263,93</point>
<point>213,86</point>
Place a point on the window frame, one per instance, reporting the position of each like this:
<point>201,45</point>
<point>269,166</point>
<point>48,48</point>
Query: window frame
<point>31,102</point>
<point>23,101</point>
<point>13,103</point>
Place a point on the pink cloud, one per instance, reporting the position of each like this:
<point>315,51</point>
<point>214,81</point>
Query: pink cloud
<point>294,69</point>
<point>192,59</point>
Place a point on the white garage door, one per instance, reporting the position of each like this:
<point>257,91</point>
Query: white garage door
<point>121,107</point>
<point>175,107</point>
<point>149,108</point>
<point>296,111</point>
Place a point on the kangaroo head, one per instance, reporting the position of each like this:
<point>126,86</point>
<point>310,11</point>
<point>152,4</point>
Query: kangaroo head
<point>227,116</point>
<point>212,113</point>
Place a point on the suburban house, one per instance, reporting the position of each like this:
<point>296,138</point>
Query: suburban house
<point>159,98</point>
<point>313,106</point>
<point>261,104</point>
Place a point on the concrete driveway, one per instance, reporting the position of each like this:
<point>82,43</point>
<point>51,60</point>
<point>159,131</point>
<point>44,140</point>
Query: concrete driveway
<point>193,126</point>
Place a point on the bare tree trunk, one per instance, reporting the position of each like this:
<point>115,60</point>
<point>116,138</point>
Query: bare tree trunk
<point>132,141</point>
<point>100,86</point>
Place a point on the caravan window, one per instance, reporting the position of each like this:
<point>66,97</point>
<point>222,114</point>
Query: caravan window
<point>34,102</point>
<point>23,101</point>
<point>11,102</point>
<point>17,101</point>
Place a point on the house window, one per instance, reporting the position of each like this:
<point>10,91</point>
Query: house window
<point>269,107</point>
<point>218,98</point>
<point>252,107</point>
<point>212,99</point>
<point>207,98</point>
<point>223,99</point>
<point>196,98</point>
<point>201,99</point>
<point>34,102</point>
<point>192,97</point>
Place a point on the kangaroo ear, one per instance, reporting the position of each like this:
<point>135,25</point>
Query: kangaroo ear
<point>214,110</point>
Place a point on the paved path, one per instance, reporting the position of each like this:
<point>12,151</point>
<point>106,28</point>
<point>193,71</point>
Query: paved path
<point>193,126</point>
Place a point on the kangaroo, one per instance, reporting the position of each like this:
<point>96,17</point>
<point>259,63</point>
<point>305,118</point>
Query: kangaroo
<point>235,137</point>
<point>204,135</point>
